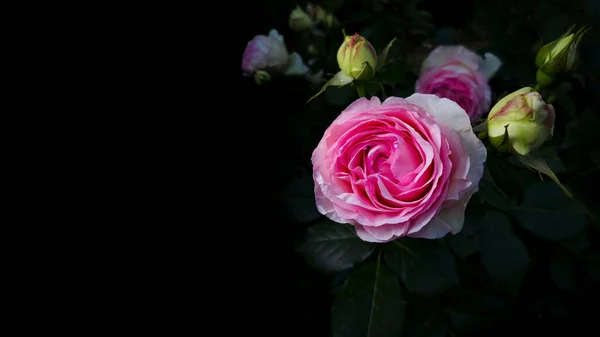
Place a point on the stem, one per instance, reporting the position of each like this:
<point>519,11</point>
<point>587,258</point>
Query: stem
<point>360,89</point>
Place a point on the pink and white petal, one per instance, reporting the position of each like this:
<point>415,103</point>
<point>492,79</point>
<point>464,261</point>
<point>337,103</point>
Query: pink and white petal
<point>444,110</point>
<point>489,65</point>
<point>435,229</point>
<point>454,214</point>
<point>358,106</point>
<point>450,219</point>
<point>255,55</point>
<point>445,54</point>
<point>452,115</point>
<point>324,205</point>
<point>379,234</point>
<point>394,100</point>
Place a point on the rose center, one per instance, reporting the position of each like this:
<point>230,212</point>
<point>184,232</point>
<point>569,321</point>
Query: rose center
<point>394,158</point>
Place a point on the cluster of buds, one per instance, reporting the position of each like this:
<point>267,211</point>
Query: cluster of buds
<point>520,122</point>
<point>304,19</point>
<point>560,56</point>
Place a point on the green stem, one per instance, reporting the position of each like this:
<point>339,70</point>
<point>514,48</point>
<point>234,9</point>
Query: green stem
<point>360,89</point>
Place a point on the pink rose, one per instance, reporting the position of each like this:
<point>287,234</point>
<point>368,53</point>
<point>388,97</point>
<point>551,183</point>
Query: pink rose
<point>459,74</point>
<point>269,53</point>
<point>404,167</point>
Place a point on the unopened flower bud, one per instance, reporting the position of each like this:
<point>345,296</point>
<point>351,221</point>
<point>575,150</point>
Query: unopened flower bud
<point>265,53</point>
<point>261,76</point>
<point>357,58</point>
<point>562,54</point>
<point>299,20</point>
<point>520,122</point>
<point>320,15</point>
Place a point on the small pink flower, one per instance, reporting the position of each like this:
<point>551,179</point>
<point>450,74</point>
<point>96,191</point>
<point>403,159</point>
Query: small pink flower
<point>404,167</point>
<point>459,74</point>
<point>269,53</point>
<point>265,53</point>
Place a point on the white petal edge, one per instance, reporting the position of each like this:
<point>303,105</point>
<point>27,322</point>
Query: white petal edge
<point>296,66</point>
<point>452,115</point>
<point>449,220</point>
<point>275,34</point>
<point>490,64</point>
<point>360,105</point>
<point>442,54</point>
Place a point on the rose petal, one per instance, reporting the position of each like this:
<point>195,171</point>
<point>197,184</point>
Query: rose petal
<point>448,220</point>
<point>295,66</point>
<point>360,105</point>
<point>442,55</point>
<point>275,34</point>
<point>490,65</point>
<point>452,115</point>
<point>379,234</point>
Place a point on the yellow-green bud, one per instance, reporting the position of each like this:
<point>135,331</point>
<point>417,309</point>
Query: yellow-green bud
<point>357,58</point>
<point>299,20</point>
<point>318,14</point>
<point>520,122</point>
<point>261,76</point>
<point>543,80</point>
<point>560,55</point>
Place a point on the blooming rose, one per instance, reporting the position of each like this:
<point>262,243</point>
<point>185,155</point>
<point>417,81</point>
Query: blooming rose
<point>461,75</point>
<point>404,167</point>
<point>269,53</point>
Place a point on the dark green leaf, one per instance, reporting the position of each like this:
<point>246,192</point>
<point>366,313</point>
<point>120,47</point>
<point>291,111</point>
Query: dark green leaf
<point>548,213</point>
<point>464,245</point>
<point>391,73</point>
<point>550,154</point>
<point>466,242</point>
<point>330,246</point>
<point>583,131</point>
<point>592,265</point>
<point>578,244</point>
<point>466,322</point>
<point>300,199</point>
<point>566,105</point>
<point>369,304</point>
<point>503,255</point>
<point>372,88</point>
<point>562,271</point>
<point>425,266</point>
<point>508,178</point>
<point>485,302</point>
<point>491,193</point>
<point>425,324</point>
<point>340,96</point>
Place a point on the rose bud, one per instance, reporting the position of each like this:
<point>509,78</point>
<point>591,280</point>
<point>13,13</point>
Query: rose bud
<point>520,122</point>
<point>357,58</point>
